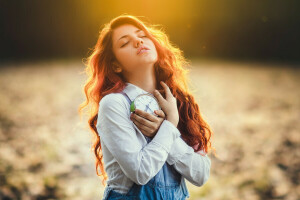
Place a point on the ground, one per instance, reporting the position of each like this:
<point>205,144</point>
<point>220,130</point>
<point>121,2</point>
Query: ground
<point>253,109</point>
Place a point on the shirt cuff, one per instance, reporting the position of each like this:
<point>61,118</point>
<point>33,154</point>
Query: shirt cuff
<point>166,135</point>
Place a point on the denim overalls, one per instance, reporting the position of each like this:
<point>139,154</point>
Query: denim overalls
<point>166,184</point>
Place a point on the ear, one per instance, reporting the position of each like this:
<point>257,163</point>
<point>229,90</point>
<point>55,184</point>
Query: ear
<point>116,67</point>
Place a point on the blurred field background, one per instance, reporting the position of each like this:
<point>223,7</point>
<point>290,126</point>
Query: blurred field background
<point>245,75</point>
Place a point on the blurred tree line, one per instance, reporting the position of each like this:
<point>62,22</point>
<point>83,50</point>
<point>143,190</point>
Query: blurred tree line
<point>230,29</point>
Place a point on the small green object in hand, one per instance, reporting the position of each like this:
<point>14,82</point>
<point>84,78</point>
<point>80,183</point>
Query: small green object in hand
<point>132,107</point>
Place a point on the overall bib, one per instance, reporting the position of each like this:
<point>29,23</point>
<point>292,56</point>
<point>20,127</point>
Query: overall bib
<point>166,184</point>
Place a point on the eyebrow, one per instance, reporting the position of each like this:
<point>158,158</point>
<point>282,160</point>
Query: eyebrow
<point>138,30</point>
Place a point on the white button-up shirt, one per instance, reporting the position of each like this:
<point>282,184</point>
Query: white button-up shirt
<point>129,158</point>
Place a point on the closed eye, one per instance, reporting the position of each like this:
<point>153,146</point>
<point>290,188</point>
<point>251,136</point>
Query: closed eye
<point>124,44</point>
<point>128,42</point>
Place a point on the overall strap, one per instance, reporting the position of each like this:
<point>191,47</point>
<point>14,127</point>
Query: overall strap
<point>127,98</point>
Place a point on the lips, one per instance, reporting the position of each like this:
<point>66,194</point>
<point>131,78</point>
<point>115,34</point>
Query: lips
<point>141,48</point>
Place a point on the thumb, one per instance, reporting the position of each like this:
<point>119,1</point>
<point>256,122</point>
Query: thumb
<point>160,113</point>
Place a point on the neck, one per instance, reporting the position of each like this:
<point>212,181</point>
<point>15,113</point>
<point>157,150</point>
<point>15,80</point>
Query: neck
<point>145,79</point>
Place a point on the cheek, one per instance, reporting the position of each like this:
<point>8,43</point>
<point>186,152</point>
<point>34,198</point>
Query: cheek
<point>122,55</point>
<point>154,54</point>
<point>125,57</point>
<point>154,51</point>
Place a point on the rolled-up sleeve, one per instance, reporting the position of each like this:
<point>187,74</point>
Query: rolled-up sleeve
<point>116,130</point>
<point>191,165</point>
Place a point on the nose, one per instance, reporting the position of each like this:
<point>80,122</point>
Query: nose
<point>138,42</point>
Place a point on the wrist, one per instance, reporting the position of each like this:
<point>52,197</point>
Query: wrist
<point>173,121</point>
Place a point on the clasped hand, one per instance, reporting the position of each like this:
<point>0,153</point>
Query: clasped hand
<point>148,123</point>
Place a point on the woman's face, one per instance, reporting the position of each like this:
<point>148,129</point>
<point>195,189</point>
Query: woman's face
<point>127,39</point>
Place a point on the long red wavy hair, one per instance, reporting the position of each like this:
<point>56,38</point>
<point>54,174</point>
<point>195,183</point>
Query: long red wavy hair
<point>171,67</point>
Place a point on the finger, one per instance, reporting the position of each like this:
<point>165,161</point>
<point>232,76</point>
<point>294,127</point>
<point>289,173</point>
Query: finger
<point>167,90</point>
<point>142,120</point>
<point>146,115</point>
<point>141,126</point>
<point>145,130</point>
<point>160,113</point>
<point>159,97</point>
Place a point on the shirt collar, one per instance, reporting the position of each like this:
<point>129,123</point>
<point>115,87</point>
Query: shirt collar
<point>133,91</point>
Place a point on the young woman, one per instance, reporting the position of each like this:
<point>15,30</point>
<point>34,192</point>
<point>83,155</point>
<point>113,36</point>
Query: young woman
<point>144,155</point>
